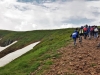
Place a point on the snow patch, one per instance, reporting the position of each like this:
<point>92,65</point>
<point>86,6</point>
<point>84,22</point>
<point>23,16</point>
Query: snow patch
<point>2,48</point>
<point>11,56</point>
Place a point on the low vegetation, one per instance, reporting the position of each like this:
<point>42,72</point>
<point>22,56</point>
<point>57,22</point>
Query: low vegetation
<point>40,57</point>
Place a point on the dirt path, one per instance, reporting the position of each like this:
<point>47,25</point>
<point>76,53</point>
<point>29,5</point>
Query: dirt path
<point>80,60</point>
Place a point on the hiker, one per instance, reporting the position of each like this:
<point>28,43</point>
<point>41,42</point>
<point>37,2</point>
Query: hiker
<point>88,31</point>
<point>74,35</point>
<point>77,30</point>
<point>81,33</point>
<point>85,30</point>
<point>95,32</point>
<point>91,32</point>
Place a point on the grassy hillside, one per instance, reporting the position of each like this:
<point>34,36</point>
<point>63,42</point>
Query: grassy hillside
<point>23,38</point>
<point>38,59</point>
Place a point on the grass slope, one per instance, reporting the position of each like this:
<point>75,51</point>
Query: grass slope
<point>38,59</point>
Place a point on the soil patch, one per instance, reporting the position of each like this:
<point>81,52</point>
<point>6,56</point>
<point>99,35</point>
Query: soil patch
<point>83,59</point>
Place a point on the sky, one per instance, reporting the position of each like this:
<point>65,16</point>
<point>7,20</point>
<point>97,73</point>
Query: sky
<point>26,15</point>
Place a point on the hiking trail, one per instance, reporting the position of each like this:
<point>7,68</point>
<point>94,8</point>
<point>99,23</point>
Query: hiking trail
<point>83,59</point>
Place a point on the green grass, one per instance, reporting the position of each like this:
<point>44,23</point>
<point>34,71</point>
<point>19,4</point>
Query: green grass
<point>40,56</point>
<point>93,64</point>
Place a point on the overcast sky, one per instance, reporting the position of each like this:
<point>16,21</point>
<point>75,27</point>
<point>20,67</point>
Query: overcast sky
<point>24,15</point>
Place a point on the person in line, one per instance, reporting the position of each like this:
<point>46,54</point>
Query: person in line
<point>75,35</point>
<point>81,33</point>
<point>91,32</point>
<point>77,30</point>
<point>96,32</point>
<point>88,31</point>
<point>85,30</point>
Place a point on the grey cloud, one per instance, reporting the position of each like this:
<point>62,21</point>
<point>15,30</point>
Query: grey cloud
<point>26,16</point>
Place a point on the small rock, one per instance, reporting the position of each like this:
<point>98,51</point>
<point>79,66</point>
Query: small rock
<point>71,64</point>
<point>92,73</point>
<point>98,45</point>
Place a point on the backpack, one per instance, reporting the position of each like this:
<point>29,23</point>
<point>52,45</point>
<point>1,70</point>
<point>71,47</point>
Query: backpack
<point>81,31</point>
<point>91,29</point>
<point>84,29</point>
<point>74,35</point>
<point>96,29</point>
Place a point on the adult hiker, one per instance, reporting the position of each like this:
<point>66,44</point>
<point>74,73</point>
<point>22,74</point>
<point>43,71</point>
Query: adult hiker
<point>75,35</point>
<point>96,32</point>
<point>85,30</point>
<point>81,33</point>
<point>91,32</point>
<point>88,31</point>
<point>77,30</point>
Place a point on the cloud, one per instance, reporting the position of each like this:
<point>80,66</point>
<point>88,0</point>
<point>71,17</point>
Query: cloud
<point>22,16</point>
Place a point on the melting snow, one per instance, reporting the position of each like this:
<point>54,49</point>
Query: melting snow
<point>11,56</point>
<point>2,48</point>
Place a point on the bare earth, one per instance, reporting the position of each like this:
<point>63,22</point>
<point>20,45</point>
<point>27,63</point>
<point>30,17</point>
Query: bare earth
<point>84,59</point>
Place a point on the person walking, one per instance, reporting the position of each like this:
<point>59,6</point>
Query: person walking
<point>85,30</point>
<point>91,32</point>
<point>75,35</point>
<point>96,32</point>
<point>88,32</point>
<point>81,33</point>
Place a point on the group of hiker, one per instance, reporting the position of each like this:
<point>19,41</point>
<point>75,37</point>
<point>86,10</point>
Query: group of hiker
<point>85,31</point>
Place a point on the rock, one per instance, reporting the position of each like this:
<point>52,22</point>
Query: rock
<point>85,71</point>
<point>98,45</point>
<point>98,70</point>
<point>71,64</point>
<point>54,57</point>
<point>59,73</point>
<point>80,57</point>
<point>92,73</point>
<point>81,68</point>
<point>7,42</point>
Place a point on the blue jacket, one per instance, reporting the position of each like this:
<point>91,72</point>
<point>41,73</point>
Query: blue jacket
<point>88,29</point>
<point>74,34</point>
